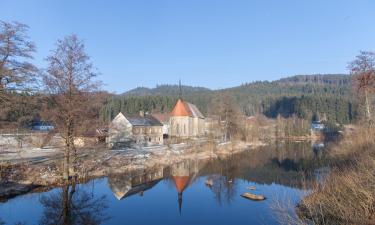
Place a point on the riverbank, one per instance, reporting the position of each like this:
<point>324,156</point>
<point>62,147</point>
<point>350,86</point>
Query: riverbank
<point>24,176</point>
<point>347,194</point>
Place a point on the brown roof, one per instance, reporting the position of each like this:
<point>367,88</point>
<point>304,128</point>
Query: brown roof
<point>183,108</point>
<point>162,117</point>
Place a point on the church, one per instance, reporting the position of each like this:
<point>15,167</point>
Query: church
<point>186,120</point>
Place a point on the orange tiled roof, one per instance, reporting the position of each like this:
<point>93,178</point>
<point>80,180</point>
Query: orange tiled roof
<point>181,109</point>
<point>181,182</point>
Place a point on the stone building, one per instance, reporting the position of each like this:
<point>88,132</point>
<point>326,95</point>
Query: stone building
<point>164,119</point>
<point>186,120</point>
<point>141,130</point>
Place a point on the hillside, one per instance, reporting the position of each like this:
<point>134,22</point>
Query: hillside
<point>322,79</point>
<point>307,96</point>
<point>166,90</point>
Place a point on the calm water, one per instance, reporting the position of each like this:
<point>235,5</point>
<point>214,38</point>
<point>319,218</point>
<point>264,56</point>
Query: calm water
<point>178,194</point>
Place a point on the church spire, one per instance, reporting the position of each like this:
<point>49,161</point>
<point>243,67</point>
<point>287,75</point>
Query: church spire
<point>180,202</point>
<point>180,89</point>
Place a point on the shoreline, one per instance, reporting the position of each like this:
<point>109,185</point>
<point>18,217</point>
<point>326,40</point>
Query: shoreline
<point>106,162</point>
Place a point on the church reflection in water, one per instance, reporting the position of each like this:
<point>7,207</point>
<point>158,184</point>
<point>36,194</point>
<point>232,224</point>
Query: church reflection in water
<point>182,174</point>
<point>280,164</point>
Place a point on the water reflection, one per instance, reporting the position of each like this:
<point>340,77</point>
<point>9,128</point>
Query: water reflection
<point>71,206</point>
<point>183,174</point>
<point>287,164</point>
<point>126,185</point>
<point>207,191</point>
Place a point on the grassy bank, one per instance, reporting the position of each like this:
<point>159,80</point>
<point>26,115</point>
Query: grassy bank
<point>347,194</point>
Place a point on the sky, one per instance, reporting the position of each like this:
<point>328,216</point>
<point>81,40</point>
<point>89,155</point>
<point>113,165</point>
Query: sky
<point>209,43</point>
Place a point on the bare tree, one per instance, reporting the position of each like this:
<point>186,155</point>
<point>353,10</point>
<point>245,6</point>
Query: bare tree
<point>70,83</point>
<point>363,72</point>
<point>73,206</point>
<point>16,72</point>
<point>224,106</point>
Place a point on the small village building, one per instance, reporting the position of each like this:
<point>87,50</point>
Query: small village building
<point>142,130</point>
<point>164,119</point>
<point>186,120</point>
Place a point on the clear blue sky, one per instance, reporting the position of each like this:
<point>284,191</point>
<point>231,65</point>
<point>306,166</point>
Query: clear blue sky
<point>211,43</point>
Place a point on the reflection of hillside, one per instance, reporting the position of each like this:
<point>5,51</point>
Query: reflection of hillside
<point>290,164</point>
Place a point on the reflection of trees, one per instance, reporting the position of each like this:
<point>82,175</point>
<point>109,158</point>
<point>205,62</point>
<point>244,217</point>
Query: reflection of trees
<point>287,163</point>
<point>71,206</point>
<point>225,185</point>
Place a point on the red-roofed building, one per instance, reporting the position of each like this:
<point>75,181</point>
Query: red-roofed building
<point>186,120</point>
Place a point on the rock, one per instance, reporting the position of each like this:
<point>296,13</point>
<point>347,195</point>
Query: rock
<point>253,197</point>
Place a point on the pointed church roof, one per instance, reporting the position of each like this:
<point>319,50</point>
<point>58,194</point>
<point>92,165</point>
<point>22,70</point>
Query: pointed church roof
<point>183,108</point>
<point>181,182</point>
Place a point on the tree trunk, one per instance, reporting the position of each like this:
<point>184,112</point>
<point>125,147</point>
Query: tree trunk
<point>368,108</point>
<point>65,205</point>
<point>66,161</point>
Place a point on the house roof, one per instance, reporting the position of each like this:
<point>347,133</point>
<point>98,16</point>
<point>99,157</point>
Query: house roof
<point>162,117</point>
<point>122,186</point>
<point>183,108</point>
<point>146,120</point>
<point>195,111</point>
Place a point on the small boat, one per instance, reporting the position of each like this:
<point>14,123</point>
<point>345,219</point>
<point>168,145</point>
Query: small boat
<point>253,197</point>
<point>251,188</point>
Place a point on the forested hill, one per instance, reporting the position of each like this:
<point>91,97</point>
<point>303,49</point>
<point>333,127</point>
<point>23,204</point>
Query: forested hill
<point>307,96</point>
<point>166,90</point>
<point>323,79</point>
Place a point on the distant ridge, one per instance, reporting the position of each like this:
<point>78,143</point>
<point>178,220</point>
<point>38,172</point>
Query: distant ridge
<point>306,96</point>
<point>334,79</point>
<point>173,90</point>
<point>166,90</point>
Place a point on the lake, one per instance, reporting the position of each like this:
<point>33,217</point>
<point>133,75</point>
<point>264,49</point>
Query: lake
<point>179,194</point>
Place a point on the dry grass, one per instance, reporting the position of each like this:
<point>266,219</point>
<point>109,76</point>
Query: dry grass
<point>347,195</point>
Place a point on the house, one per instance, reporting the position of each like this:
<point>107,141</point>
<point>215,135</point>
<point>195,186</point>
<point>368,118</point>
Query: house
<point>164,119</point>
<point>186,120</point>
<point>42,126</point>
<point>317,126</point>
<point>142,130</point>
